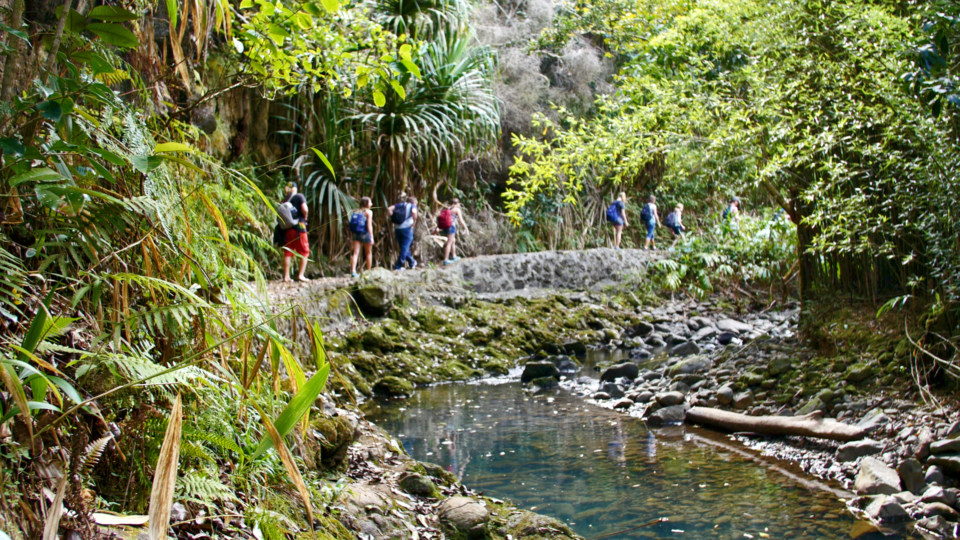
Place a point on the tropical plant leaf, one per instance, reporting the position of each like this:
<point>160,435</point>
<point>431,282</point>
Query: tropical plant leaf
<point>288,463</point>
<point>114,34</point>
<point>296,408</point>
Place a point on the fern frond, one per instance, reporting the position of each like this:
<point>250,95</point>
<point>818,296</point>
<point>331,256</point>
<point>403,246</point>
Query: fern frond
<point>199,487</point>
<point>191,449</point>
<point>93,451</point>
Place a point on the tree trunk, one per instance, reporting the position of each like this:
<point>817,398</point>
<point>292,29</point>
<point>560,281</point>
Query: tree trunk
<point>809,425</point>
<point>10,70</point>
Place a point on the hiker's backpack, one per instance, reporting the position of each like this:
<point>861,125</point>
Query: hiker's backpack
<point>288,216</point>
<point>726,212</point>
<point>400,213</point>
<point>445,219</point>
<point>358,222</point>
<point>613,213</point>
<point>646,214</point>
<point>670,220</point>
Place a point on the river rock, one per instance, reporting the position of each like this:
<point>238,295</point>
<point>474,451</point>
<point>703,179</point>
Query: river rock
<point>937,494</point>
<point>725,338</point>
<point>886,510</point>
<point>644,396</point>
<point>911,475</point>
<point>464,515</point>
<point>947,446</point>
<point>951,430</point>
<point>934,475</point>
<point>751,378</point>
<point>641,329</point>
<point>665,416</point>
<point>814,404</point>
<point>623,403</point>
<point>855,449</point>
<point>704,333</point>
<point>686,348</point>
<point>725,395</point>
<point>733,326</point>
<point>939,509</point>
<point>698,364</point>
<point>860,372</point>
<point>612,389</point>
<point>948,462</point>
<point>742,400</point>
<point>626,370</point>
<point>392,386</point>
<point>876,478</point>
<point>416,484</point>
<point>656,342</point>
<point>574,346</point>
<point>778,366</point>
<point>668,399</point>
<point>536,370</point>
<point>873,420</point>
<point>639,353</point>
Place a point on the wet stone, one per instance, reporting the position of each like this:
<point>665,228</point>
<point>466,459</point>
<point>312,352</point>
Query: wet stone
<point>668,399</point>
<point>623,403</point>
<point>725,395</point>
<point>536,370</point>
<point>625,370</point>
<point>673,415</point>
<point>876,478</point>
<point>612,389</point>
<point>886,510</point>
<point>856,449</point>
<point>743,400</point>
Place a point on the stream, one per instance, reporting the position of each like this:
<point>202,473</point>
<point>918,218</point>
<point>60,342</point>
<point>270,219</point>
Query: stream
<point>604,473</point>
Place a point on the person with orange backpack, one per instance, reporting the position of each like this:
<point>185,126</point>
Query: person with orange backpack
<point>447,225</point>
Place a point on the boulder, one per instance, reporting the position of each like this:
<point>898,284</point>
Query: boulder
<point>673,415</point>
<point>856,449</point>
<point>946,446</point>
<point>612,389</point>
<point>934,475</point>
<point>536,370</point>
<point>625,370</point>
<point>574,346</point>
<point>886,510</point>
<point>392,386</point>
<point>698,364</point>
<point>939,509</point>
<point>464,515</point>
<point>725,395</point>
<point>725,338</point>
<point>873,420</point>
<point>419,485</point>
<point>742,400</point>
<point>733,326</point>
<point>860,372</point>
<point>623,403</point>
<point>685,348</point>
<point>376,292</point>
<point>643,397</point>
<point>668,399</point>
<point>876,478</point>
<point>639,353</point>
<point>704,333</point>
<point>948,462</point>
<point>778,366</point>
<point>938,494</point>
<point>641,329</point>
<point>911,475</point>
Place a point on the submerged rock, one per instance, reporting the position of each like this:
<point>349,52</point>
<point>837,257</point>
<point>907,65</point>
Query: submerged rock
<point>673,415</point>
<point>538,370</point>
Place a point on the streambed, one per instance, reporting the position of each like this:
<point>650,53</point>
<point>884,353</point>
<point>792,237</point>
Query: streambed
<point>604,472</point>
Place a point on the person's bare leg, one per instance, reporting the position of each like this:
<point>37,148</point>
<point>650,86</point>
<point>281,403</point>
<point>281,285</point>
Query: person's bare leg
<point>303,268</point>
<point>617,235</point>
<point>353,258</point>
<point>453,246</point>
<point>368,249</point>
<point>286,268</point>
<point>448,247</point>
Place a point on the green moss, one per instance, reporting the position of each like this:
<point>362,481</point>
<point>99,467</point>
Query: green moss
<point>393,386</point>
<point>334,435</point>
<point>457,371</point>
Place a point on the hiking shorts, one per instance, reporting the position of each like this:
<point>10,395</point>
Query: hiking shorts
<point>363,238</point>
<point>451,230</point>
<point>616,222</point>
<point>651,228</point>
<point>296,242</point>
<point>677,229</point>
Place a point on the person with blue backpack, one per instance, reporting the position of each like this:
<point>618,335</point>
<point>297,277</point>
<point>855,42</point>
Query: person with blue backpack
<point>361,225</point>
<point>651,219</point>
<point>617,216</point>
<point>674,222</point>
<point>403,215</point>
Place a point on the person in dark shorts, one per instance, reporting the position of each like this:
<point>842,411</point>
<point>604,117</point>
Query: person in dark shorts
<point>404,217</point>
<point>296,241</point>
<point>617,216</point>
<point>361,226</point>
<point>674,222</point>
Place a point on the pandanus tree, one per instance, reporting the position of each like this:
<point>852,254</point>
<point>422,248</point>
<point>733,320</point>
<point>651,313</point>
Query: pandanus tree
<point>451,110</point>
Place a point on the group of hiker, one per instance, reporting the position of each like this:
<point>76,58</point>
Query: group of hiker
<point>650,216</point>
<point>291,231</point>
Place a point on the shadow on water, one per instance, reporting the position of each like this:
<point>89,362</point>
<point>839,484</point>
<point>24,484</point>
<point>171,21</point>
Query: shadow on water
<point>603,472</point>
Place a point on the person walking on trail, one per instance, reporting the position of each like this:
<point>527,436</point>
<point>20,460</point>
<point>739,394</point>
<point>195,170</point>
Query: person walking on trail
<point>404,215</point>
<point>731,215</point>
<point>361,225</point>
<point>292,221</point>
<point>617,216</point>
<point>674,222</point>
<point>447,225</point>
<point>651,219</point>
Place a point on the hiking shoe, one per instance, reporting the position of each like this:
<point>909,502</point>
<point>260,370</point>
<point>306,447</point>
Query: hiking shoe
<point>455,259</point>
<point>354,275</point>
<point>413,265</point>
<point>447,261</point>
<point>401,269</point>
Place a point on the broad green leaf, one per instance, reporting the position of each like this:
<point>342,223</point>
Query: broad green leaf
<point>173,147</point>
<point>114,34</point>
<point>398,88</point>
<point>111,14</point>
<point>325,161</point>
<point>246,4</point>
<point>331,5</point>
<point>173,10</point>
<point>296,408</point>
<point>51,110</point>
<point>411,67</point>
<point>405,51</point>
<point>277,33</point>
<point>11,145</point>
<point>379,99</point>
<point>41,174</point>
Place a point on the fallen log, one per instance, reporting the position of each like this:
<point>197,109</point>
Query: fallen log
<point>808,425</point>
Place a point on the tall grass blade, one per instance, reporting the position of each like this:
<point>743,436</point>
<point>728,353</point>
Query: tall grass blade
<point>52,522</point>
<point>288,463</point>
<point>15,388</point>
<point>165,477</point>
<point>298,406</point>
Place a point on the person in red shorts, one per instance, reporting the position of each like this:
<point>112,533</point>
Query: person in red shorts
<point>296,241</point>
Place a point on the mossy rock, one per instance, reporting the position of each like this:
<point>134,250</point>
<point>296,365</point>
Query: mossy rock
<point>751,378</point>
<point>419,485</point>
<point>392,386</point>
<point>526,524</point>
<point>440,320</point>
<point>368,364</point>
<point>437,472</point>
<point>496,366</point>
<point>335,434</point>
<point>455,370</point>
<point>859,372</point>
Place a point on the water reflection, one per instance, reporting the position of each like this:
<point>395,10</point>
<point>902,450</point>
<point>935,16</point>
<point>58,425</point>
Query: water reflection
<point>600,471</point>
